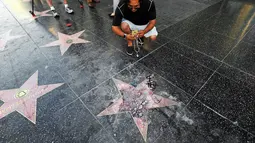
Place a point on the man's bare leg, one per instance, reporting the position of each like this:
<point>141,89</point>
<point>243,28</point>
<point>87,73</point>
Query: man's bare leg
<point>67,8</point>
<point>49,2</point>
<point>146,43</point>
<point>55,14</point>
<point>126,29</point>
<point>153,38</point>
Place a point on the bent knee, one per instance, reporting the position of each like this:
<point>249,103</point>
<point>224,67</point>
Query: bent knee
<point>153,38</point>
<point>125,27</point>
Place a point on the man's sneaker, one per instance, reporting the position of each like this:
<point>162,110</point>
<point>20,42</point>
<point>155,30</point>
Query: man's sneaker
<point>68,10</point>
<point>130,50</point>
<point>54,13</point>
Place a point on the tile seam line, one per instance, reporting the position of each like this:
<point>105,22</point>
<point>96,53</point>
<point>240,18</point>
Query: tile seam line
<point>239,69</point>
<point>239,41</point>
<point>196,62</point>
<point>195,14</point>
<point>224,117</point>
<point>85,106</point>
<point>78,98</point>
<point>210,58</point>
<point>195,26</point>
<point>230,36</point>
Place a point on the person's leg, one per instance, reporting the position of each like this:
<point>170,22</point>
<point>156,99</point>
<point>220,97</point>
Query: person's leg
<point>90,3</point>
<point>49,2</point>
<point>115,5</point>
<point>67,8</point>
<point>152,34</point>
<point>126,27</point>
<point>148,37</point>
<point>153,38</point>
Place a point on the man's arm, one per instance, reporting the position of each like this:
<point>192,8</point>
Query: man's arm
<point>152,20</point>
<point>118,31</point>
<point>151,24</point>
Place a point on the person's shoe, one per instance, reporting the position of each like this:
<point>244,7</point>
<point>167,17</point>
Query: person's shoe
<point>68,10</point>
<point>54,13</point>
<point>130,50</point>
<point>111,15</point>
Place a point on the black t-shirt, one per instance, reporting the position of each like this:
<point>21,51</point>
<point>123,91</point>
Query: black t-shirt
<point>142,16</point>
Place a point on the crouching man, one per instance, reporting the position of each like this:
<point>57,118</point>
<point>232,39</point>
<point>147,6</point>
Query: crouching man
<point>133,15</point>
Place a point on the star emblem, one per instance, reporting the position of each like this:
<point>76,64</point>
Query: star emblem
<point>4,38</point>
<point>41,13</point>
<point>137,101</point>
<point>65,41</point>
<point>23,99</point>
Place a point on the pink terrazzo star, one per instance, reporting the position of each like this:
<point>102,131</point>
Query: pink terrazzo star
<point>4,38</point>
<point>65,41</point>
<point>137,101</point>
<point>41,13</point>
<point>23,99</point>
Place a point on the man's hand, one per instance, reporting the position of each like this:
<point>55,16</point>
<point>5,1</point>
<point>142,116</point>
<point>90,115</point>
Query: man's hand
<point>141,33</point>
<point>130,37</point>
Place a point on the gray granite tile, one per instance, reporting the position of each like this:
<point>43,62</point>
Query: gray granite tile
<point>178,69</point>
<point>194,55</point>
<point>232,21</point>
<point>232,100</point>
<point>250,36</point>
<point>242,57</point>
<point>208,42</point>
<point>237,75</point>
<point>200,125</point>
